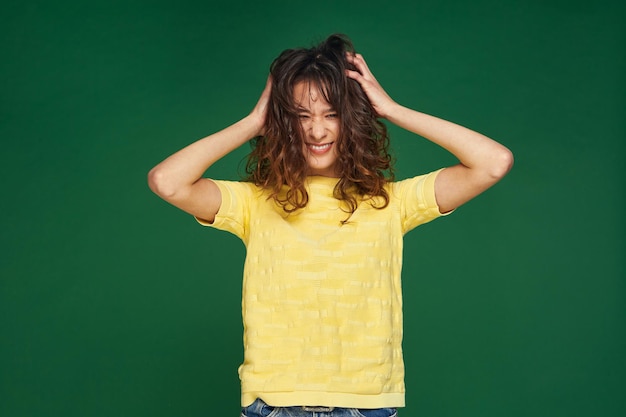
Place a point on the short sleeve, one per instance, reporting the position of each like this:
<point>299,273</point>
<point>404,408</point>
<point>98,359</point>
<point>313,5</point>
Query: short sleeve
<point>234,213</point>
<point>418,204</point>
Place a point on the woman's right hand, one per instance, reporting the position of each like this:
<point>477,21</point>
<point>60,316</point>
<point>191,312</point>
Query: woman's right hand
<point>178,179</point>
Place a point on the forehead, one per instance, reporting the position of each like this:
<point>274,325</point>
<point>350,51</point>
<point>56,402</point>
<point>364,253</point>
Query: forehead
<point>308,94</point>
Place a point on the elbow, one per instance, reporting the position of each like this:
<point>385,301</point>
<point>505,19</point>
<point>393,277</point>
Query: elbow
<point>157,181</point>
<point>502,164</point>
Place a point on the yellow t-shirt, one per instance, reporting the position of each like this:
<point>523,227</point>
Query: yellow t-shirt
<point>322,301</point>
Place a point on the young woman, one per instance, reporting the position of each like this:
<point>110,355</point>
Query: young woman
<point>323,220</point>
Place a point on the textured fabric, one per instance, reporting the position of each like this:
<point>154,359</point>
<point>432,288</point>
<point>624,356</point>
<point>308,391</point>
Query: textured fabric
<point>322,304</point>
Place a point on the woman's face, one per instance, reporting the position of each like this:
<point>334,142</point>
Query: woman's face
<point>320,124</point>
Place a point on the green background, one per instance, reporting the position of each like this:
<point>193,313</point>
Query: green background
<point>113,303</point>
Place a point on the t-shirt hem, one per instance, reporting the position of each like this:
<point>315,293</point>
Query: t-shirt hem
<point>428,192</point>
<point>326,399</point>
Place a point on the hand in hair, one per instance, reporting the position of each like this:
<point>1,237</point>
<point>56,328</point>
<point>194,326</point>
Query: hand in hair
<point>259,112</point>
<point>482,161</point>
<point>379,98</point>
<point>178,179</point>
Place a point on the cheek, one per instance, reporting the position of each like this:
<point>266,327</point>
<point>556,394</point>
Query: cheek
<point>337,131</point>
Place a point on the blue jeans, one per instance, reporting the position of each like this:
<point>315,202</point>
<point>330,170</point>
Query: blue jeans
<point>260,409</point>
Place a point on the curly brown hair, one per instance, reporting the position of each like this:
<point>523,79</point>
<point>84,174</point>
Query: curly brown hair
<point>278,160</point>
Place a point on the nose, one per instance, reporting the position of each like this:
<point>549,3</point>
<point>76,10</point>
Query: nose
<point>317,130</point>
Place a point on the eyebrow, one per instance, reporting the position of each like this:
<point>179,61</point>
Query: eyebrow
<point>325,110</point>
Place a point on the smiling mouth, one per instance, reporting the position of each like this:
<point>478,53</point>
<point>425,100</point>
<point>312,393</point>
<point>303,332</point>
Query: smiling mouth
<point>319,149</point>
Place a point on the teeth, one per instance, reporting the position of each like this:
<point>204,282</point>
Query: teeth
<point>320,147</point>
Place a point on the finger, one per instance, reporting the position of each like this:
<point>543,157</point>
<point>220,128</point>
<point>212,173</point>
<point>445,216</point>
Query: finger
<point>351,58</point>
<point>359,62</point>
<point>268,88</point>
<point>355,75</point>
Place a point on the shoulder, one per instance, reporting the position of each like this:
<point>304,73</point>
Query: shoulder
<point>238,197</point>
<point>242,188</point>
<point>422,183</point>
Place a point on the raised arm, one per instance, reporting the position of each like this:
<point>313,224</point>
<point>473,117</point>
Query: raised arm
<point>178,179</point>
<point>483,161</point>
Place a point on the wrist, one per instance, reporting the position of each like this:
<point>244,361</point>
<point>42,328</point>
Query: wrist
<point>252,124</point>
<point>390,110</point>
<point>256,123</point>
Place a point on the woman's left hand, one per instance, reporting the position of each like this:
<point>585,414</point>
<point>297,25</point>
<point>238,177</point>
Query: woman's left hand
<point>380,100</point>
